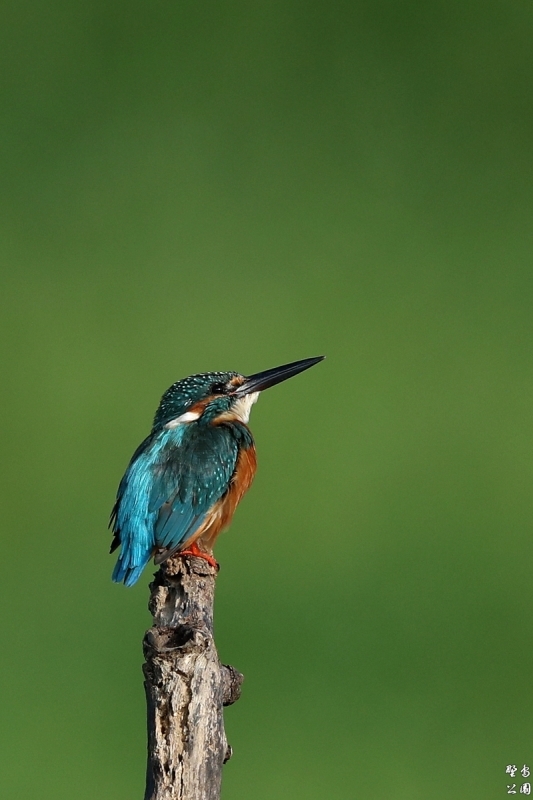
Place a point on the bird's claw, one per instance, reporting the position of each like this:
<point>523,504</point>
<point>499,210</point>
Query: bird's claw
<point>195,551</point>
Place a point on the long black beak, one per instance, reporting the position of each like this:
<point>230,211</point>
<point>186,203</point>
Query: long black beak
<point>268,378</point>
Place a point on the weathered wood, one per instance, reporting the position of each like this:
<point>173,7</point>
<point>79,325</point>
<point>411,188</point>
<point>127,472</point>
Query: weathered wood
<point>186,685</point>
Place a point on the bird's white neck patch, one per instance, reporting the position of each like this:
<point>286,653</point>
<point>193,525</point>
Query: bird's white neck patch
<point>241,408</point>
<point>189,416</point>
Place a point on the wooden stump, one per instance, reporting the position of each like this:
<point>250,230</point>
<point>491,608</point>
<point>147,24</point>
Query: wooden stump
<point>186,685</point>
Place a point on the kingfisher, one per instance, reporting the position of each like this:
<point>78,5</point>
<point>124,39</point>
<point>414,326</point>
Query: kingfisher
<point>186,479</point>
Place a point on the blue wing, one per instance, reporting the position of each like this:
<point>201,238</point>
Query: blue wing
<point>172,481</point>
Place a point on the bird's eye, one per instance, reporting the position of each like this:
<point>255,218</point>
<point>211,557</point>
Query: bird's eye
<point>218,388</point>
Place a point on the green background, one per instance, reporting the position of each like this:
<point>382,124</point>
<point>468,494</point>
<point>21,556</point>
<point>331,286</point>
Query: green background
<point>214,186</point>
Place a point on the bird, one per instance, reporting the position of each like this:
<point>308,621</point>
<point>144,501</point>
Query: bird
<point>185,480</point>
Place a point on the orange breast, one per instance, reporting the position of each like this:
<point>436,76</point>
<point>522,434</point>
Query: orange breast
<point>219,517</point>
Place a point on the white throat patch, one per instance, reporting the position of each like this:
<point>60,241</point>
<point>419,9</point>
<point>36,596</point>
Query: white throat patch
<point>241,408</point>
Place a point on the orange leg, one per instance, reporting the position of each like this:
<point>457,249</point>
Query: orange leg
<point>194,550</point>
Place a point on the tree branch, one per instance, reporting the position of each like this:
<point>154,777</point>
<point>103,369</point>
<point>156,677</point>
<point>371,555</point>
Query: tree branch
<point>186,685</point>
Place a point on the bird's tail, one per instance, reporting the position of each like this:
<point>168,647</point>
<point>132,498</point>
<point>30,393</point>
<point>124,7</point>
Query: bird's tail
<point>128,569</point>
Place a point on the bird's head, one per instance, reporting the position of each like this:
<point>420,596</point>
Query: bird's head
<point>221,396</point>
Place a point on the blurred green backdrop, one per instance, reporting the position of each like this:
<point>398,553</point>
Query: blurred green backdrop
<point>195,186</point>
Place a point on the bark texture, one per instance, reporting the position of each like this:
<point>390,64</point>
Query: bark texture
<point>186,685</point>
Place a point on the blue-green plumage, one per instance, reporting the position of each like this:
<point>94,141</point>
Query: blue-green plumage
<point>188,475</point>
<point>168,488</point>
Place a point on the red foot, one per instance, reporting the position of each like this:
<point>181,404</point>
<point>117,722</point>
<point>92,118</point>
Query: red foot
<point>194,550</point>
